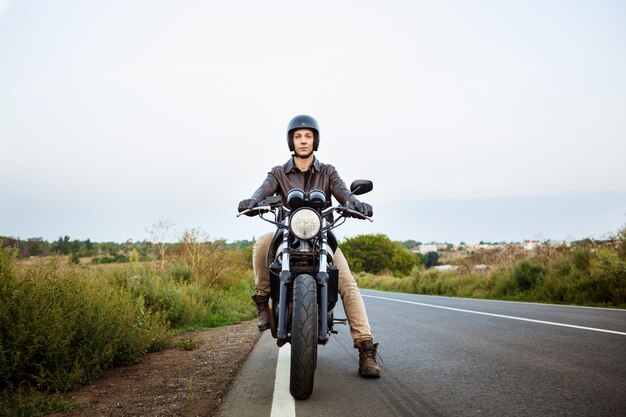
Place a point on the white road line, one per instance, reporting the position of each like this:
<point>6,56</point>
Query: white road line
<point>283,404</point>
<point>496,315</point>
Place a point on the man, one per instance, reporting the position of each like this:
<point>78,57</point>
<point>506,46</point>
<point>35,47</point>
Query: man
<point>304,171</point>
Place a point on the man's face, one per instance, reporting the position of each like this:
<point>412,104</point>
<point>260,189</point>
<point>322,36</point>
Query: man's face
<point>303,140</point>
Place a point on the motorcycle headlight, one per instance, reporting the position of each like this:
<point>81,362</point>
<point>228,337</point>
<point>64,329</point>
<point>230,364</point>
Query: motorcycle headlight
<point>305,223</point>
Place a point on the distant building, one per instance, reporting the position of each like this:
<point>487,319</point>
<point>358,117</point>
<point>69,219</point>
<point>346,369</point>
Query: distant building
<point>424,249</point>
<point>557,243</point>
<point>531,244</point>
<point>446,267</point>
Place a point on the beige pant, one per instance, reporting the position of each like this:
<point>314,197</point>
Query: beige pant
<point>348,289</point>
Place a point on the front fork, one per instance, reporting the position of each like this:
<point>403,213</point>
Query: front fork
<point>285,279</point>
<point>322,282</point>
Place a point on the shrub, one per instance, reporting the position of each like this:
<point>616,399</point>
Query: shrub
<point>606,282</point>
<point>110,259</point>
<point>184,304</point>
<point>431,259</point>
<point>580,258</point>
<point>403,262</point>
<point>60,329</point>
<point>527,275</point>
<point>60,325</point>
<point>181,272</point>
<point>621,243</point>
<point>75,258</point>
<point>211,263</point>
<point>501,283</point>
<point>377,253</point>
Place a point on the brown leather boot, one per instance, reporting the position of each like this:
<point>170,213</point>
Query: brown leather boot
<point>368,367</point>
<point>262,308</point>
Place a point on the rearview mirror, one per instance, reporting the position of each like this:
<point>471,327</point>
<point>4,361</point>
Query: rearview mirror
<point>359,187</point>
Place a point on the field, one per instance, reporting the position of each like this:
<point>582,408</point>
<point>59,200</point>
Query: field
<point>587,273</point>
<point>63,324</point>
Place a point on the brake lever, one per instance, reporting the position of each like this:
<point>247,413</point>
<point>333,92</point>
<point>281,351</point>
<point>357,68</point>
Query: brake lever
<point>353,213</point>
<point>260,209</point>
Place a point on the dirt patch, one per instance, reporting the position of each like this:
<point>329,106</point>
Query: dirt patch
<point>173,382</point>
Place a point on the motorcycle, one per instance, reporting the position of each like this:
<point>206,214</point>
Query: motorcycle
<point>303,278</point>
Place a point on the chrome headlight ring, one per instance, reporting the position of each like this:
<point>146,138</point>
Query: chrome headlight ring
<point>305,223</point>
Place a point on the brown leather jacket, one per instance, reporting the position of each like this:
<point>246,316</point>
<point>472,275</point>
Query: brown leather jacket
<point>281,179</point>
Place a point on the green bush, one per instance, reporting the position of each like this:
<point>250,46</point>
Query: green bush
<point>185,305</point>
<point>59,329</point>
<point>110,259</point>
<point>606,279</point>
<point>580,258</point>
<point>23,403</point>
<point>564,274</point>
<point>527,275</point>
<point>376,254</point>
<point>403,261</point>
<point>181,272</point>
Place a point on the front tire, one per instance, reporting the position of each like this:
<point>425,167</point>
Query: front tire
<point>304,329</point>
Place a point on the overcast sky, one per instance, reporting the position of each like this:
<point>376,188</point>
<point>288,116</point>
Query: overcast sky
<point>476,120</point>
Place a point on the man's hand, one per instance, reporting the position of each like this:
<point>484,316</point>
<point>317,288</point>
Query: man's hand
<point>363,208</point>
<point>247,204</point>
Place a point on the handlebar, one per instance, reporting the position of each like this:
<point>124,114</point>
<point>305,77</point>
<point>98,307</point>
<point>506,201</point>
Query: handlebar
<point>342,210</point>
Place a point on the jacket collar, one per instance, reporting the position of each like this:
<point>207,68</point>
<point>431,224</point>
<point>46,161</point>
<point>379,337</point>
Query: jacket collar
<point>290,166</point>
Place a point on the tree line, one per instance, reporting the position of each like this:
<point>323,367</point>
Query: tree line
<point>35,247</point>
<point>371,253</point>
<point>100,252</point>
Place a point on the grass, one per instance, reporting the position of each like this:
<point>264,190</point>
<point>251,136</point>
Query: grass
<point>589,276</point>
<point>62,325</point>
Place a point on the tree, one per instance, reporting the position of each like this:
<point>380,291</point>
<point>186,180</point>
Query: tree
<point>404,261</point>
<point>87,247</point>
<point>431,259</point>
<point>160,232</point>
<point>621,242</point>
<point>195,248</point>
<point>75,258</point>
<point>377,253</point>
<point>133,256</point>
<point>74,246</point>
<point>62,245</point>
<point>409,244</point>
<point>34,246</point>
<point>371,253</point>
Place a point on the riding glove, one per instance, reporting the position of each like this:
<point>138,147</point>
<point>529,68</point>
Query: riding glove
<point>363,208</point>
<point>247,204</point>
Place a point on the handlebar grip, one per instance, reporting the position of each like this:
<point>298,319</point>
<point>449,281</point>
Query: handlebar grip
<point>353,213</point>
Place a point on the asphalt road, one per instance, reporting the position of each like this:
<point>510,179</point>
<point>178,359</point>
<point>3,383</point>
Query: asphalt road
<point>454,357</point>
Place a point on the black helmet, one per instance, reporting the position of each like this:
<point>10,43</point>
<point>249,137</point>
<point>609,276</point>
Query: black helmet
<point>303,122</point>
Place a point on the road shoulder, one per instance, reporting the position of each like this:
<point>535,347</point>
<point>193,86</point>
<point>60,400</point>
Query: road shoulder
<point>172,382</point>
